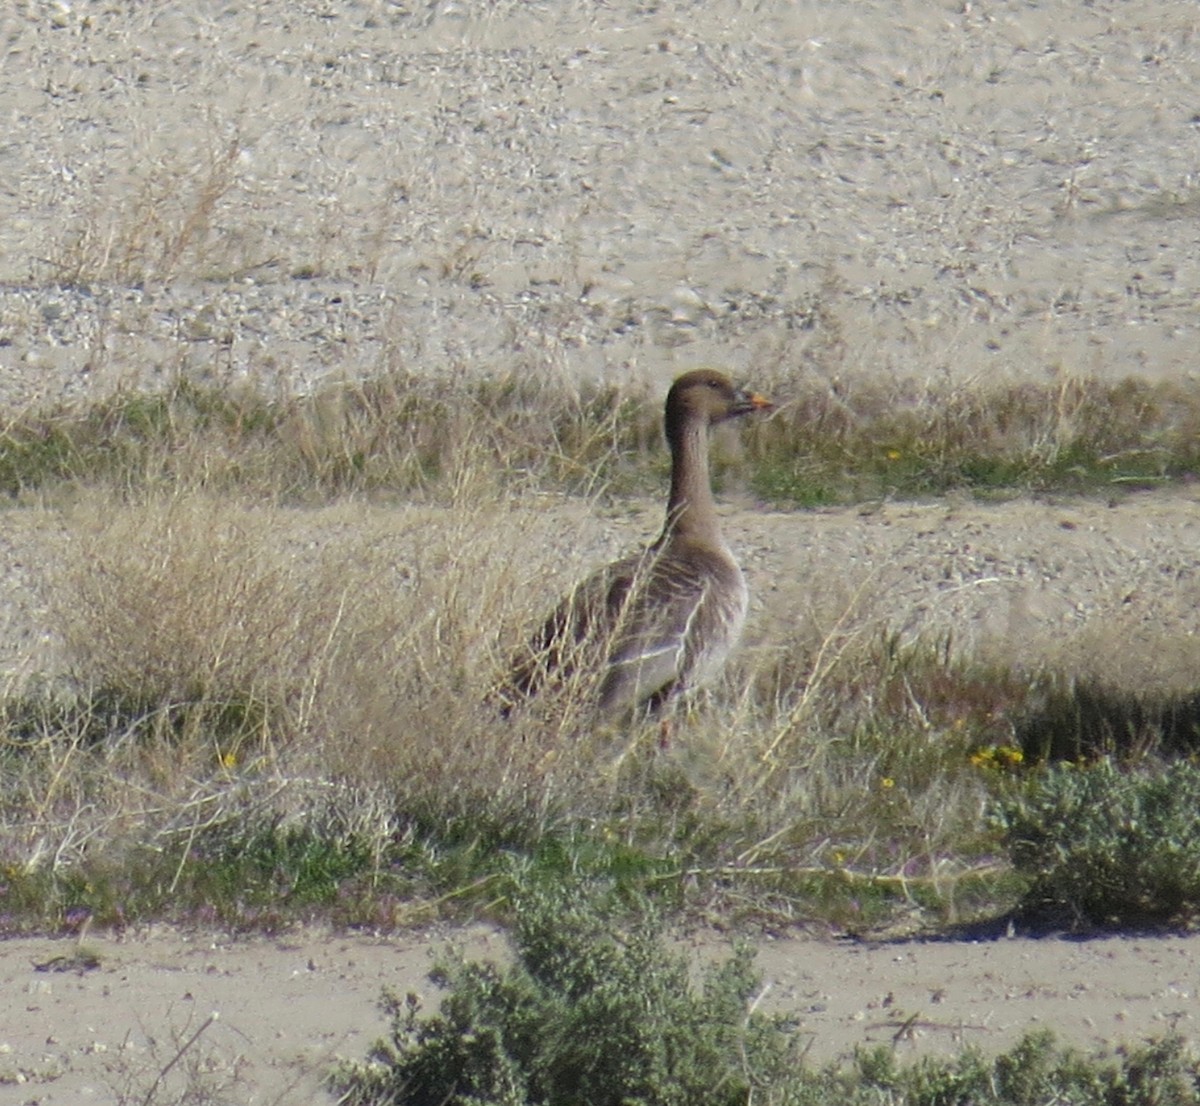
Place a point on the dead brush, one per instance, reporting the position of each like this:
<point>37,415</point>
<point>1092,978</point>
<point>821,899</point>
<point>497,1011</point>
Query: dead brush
<point>357,645</point>
<point>185,599</point>
<point>848,754</point>
<point>179,1063</point>
<point>162,223</point>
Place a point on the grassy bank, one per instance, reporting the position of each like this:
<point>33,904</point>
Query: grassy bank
<point>266,720</point>
<point>404,435</point>
<point>260,725</point>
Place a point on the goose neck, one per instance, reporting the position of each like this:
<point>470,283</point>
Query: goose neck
<point>690,508</point>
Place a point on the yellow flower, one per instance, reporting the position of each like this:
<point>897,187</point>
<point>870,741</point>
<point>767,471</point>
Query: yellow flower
<point>887,783</point>
<point>997,756</point>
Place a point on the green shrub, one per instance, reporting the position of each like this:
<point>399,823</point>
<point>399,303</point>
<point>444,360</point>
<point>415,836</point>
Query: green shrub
<point>596,1013</point>
<point>1033,1073</point>
<point>590,1012</point>
<point>1102,845</point>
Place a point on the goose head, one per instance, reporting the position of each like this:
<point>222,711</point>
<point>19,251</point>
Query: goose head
<point>706,397</point>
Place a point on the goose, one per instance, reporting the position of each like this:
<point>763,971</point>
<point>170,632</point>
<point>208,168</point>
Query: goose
<point>647,630</point>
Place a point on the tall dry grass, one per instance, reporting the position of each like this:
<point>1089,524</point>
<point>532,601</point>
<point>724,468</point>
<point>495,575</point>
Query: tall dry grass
<point>258,633</point>
<point>333,668</point>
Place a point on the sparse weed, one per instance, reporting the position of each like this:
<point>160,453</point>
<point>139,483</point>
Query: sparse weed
<point>178,1067</point>
<point>165,221</point>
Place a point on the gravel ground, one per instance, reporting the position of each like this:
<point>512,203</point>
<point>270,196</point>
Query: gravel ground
<point>285,193</point>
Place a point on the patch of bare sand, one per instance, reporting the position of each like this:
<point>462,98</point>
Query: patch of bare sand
<point>289,1006</point>
<point>283,194</point>
<point>1109,589</point>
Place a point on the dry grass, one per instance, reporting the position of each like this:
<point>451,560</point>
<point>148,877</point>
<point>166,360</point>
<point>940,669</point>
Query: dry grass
<point>396,433</point>
<point>239,672</point>
<point>237,666</point>
<point>461,439</point>
<point>234,665</point>
<point>237,663</point>
<point>162,223</point>
<point>1074,434</point>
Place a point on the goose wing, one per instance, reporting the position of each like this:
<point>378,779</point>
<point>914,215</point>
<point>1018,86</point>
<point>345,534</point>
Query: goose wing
<point>639,631</point>
<point>575,637</point>
<point>675,630</point>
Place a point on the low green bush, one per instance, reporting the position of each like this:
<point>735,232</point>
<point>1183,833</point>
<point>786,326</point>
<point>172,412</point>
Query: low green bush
<point>592,1011</point>
<point>1103,845</point>
<point>595,1011</point>
<point>1035,1072</point>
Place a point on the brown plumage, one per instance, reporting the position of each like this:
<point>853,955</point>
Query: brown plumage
<point>647,629</point>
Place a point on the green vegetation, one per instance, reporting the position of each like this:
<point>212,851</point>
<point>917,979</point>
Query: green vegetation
<point>257,727</point>
<point>1103,846</point>
<point>248,733</point>
<point>195,831</point>
<point>855,798</point>
<point>1076,436</point>
<point>404,434</point>
<point>596,1009</point>
<point>592,1011</point>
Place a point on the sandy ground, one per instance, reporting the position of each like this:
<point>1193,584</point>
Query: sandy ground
<point>286,193</point>
<point>289,1007</point>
